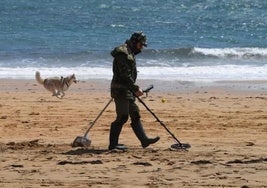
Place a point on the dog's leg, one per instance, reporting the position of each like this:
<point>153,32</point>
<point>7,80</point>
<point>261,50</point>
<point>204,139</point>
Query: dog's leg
<point>63,94</point>
<point>54,93</point>
<point>58,94</point>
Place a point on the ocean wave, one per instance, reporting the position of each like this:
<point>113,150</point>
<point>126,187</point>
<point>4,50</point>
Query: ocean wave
<point>245,53</point>
<point>179,57</point>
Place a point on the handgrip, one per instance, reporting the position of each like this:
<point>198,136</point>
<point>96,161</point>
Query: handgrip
<point>148,89</point>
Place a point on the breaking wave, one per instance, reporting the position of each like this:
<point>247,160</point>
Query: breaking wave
<point>196,52</point>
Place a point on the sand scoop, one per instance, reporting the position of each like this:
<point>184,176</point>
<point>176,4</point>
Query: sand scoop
<point>84,141</point>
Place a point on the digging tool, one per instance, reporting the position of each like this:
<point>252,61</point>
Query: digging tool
<point>84,141</point>
<point>178,144</point>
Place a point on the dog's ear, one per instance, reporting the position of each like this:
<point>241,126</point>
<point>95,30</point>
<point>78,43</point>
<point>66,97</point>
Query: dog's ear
<point>74,77</point>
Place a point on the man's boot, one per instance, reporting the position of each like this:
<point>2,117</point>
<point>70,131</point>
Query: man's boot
<point>140,133</point>
<point>114,134</point>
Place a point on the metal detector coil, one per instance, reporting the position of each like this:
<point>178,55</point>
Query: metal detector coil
<point>181,146</point>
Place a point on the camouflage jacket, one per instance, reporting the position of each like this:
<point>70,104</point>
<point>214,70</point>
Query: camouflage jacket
<point>124,73</point>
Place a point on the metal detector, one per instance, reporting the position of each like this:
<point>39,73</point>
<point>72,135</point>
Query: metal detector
<point>178,144</point>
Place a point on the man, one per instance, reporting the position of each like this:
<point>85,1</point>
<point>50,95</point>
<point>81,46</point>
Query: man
<point>124,90</point>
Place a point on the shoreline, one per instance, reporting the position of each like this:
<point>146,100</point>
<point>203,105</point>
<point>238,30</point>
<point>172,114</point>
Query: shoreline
<point>159,85</point>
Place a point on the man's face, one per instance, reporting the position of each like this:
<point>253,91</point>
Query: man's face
<point>139,46</point>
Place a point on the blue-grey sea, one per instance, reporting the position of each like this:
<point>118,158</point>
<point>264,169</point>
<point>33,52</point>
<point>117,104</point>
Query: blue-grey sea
<point>200,40</point>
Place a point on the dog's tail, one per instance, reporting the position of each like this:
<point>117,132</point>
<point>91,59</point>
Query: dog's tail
<point>38,78</point>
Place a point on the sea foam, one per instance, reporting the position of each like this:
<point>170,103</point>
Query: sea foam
<point>201,74</point>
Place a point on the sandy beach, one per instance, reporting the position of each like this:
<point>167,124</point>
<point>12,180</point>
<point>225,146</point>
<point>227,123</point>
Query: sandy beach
<point>225,123</point>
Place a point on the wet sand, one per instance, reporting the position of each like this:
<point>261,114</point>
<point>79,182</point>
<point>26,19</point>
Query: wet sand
<point>225,123</point>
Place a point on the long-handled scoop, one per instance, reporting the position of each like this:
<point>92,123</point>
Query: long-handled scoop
<point>84,141</point>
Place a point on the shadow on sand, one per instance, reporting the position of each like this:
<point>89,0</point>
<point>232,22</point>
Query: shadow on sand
<point>81,151</point>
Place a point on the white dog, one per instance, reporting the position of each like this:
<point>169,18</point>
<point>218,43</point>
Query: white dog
<point>56,85</point>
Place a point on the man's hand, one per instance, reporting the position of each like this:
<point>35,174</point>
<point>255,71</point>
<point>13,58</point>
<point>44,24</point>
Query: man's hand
<point>139,93</point>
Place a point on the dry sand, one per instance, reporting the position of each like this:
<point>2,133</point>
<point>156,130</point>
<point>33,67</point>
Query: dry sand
<point>226,125</point>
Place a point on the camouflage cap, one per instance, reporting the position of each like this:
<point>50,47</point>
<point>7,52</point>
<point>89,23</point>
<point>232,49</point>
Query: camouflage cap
<point>139,37</point>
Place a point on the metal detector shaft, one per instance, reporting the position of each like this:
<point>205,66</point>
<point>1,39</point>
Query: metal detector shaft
<point>161,123</point>
<point>92,124</point>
